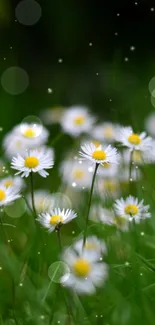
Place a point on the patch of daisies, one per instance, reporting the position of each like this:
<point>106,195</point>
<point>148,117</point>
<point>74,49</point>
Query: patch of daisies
<point>115,153</point>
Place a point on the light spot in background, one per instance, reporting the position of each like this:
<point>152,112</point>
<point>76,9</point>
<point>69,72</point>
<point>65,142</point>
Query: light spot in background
<point>16,209</point>
<point>50,90</point>
<point>14,80</point>
<point>28,12</point>
<point>57,270</point>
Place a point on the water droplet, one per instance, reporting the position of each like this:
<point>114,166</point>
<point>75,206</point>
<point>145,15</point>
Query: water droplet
<point>38,253</point>
<point>118,14</point>
<point>141,274</point>
<point>74,184</point>
<point>20,284</point>
<point>116,34</point>
<point>57,270</point>
<point>32,122</point>
<point>127,264</point>
<point>152,9</point>
<point>126,59</point>
<point>142,233</point>
<point>90,44</point>
<point>132,48</point>
<point>60,60</point>
<point>0,268</point>
<point>80,161</point>
<point>131,179</point>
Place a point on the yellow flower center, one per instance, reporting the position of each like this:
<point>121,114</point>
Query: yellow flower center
<point>29,133</point>
<point>54,220</point>
<point>99,155</point>
<point>131,209</point>
<point>134,139</point>
<point>79,120</point>
<point>81,267</point>
<point>8,183</point>
<point>2,195</point>
<point>78,173</point>
<point>137,156</point>
<point>108,132</point>
<point>31,162</point>
<point>120,221</point>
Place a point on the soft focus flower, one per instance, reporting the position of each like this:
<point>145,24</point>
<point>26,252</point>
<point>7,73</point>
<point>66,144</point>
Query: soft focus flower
<point>16,182</point>
<point>76,173</point>
<point>99,155</point>
<point>108,170</point>
<point>150,124</point>
<point>76,120</point>
<point>93,245</point>
<point>44,201</point>
<point>33,161</point>
<point>52,115</point>
<point>86,272</point>
<point>34,135</point>
<point>55,218</point>
<point>131,208</point>
<point>140,157</point>
<point>108,187</point>
<point>134,141</point>
<point>13,144</point>
<point>8,194</point>
<point>105,132</point>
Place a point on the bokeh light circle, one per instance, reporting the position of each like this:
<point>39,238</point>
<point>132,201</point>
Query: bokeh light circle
<point>16,209</point>
<point>28,12</point>
<point>34,122</point>
<point>15,80</point>
<point>152,85</point>
<point>62,201</point>
<point>57,270</point>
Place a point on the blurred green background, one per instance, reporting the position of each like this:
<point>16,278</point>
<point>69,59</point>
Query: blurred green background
<point>98,67</point>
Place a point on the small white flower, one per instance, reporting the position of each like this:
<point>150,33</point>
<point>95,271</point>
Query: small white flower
<point>86,272</point>
<point>8,195</point>
<point>131,208</point>
<point>44,201</point>
<point>55,218</point>
<point>108,187</point>
<point>105,132</point>
<point>76,172</point>
<point>33,135</point>
<point>140,157</point>
<point>134,141</point>
<point>15,182</point>
<point>108,170</point>
<point>76,120</point>
<point>107,216</point>
<point>93,245</point>
<point>52,115</point>
<point>13,144</point>
<point>99,155</point>
<point>35,161</point>
<point>150,124</point>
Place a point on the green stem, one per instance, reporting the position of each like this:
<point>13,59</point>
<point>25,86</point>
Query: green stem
<point>89,204</point>
<point>130,170</point>
<point>59,239</point>
<point>56,139</point>
<point>32,193</point>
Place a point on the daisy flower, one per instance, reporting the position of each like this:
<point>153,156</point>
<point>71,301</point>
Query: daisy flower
<point>108,217</point>
<point>56,218</point>
<point>76,120</point>
<point>76,173</point>
<point>134,141</point>
<point>52,115</point>
<point>92,245</point>
<point>132,209</point>
<point>140,157</point>
<point>33,161</point>
<point>43,200</point>
<point>86,272</point>
<point>8,195</point>
<point>150,124</point>
<point>13,144</point>
<point>33,135</point>
<point>105,132</point>
<point>99,155</point>
<point>108,187</point>
<point>16,182</point>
